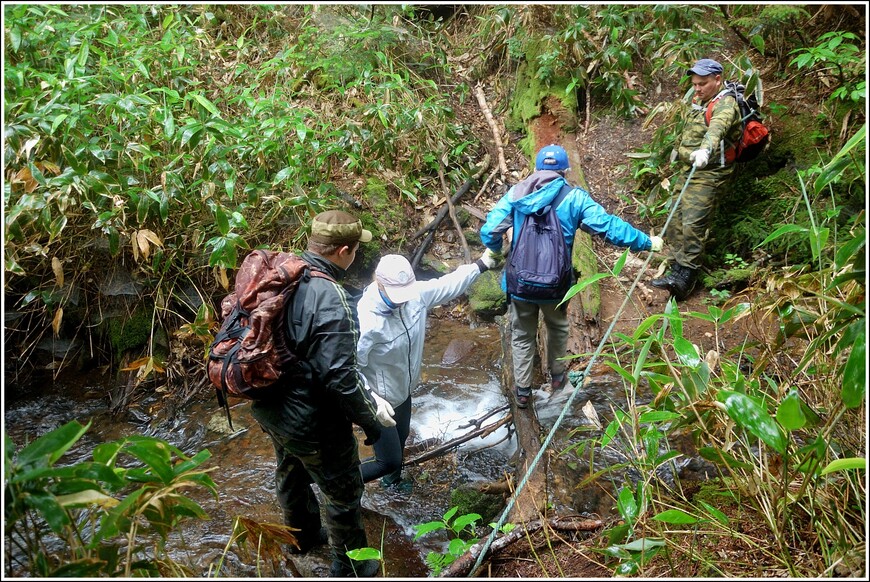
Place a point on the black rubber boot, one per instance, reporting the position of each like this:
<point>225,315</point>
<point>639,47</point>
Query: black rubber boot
<point>307,543</point>
<point>685,283</point>
<point>669,281</point>
<point>363,569</point>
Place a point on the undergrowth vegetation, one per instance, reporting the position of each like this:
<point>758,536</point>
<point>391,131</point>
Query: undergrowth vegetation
<point>149,147</point>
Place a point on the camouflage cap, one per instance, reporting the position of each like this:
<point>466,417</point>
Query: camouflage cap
<point>338,227</point>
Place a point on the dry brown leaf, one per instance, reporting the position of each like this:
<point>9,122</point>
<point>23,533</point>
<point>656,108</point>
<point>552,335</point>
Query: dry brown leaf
<point>591,414</point>
<point>57,267</point>
<point>134,242</point>
<point>58,319</point>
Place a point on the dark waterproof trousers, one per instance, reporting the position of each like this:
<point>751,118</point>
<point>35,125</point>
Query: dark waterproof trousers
<point>334,467</point>
<point>390,448</point>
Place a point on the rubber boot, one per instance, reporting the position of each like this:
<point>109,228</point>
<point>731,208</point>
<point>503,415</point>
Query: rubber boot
<point>363,569</point>
<point>669,281</point>
<point>307,543</point>
<point>685,284</point>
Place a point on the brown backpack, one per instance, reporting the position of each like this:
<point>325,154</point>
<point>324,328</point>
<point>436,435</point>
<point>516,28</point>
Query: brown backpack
<point>249,354</point>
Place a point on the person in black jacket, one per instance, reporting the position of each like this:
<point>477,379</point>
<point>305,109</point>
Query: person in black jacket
<point>310,419</point>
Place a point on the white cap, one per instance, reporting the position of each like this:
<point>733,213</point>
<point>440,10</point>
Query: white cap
<point>394,272</point>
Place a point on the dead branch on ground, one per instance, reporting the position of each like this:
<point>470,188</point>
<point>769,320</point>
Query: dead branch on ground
<point>496,133</point>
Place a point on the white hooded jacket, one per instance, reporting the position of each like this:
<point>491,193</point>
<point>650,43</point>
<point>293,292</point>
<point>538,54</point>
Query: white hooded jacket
<point>390,347</point>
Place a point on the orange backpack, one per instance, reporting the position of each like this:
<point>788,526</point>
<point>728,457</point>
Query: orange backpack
<point>754,136</point>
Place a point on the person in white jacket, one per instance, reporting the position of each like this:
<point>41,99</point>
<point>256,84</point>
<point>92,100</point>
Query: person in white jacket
<point>392,323</point>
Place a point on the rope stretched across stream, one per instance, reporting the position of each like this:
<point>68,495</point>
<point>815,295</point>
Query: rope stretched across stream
<point>574,392</point>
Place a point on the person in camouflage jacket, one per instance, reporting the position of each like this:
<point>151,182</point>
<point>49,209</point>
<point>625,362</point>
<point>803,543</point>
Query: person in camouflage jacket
<point>702,146</point>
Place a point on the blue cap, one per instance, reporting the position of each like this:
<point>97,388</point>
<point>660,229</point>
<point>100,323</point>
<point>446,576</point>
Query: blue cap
<point>552,157</point>
<point>705,67</point>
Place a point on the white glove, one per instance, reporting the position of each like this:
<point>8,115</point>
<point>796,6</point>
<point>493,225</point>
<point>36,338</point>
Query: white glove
<point>491,259</point>
<point>657,244</point>
<point>385,412</point>
<point>699,158</point>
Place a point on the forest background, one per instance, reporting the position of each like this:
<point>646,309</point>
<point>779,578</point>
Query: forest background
<point>148,148</point>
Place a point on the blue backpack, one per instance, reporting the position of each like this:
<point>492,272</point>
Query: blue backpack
<point>539,266</point>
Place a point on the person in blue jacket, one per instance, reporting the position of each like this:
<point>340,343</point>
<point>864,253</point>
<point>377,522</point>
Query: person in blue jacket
<point>576,210</point>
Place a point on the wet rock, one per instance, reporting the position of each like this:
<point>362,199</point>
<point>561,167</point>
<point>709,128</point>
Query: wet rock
<point>218,423</point>
<point>457,350</point>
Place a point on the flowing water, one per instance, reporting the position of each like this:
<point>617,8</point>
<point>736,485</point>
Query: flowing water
<point>460,382</point>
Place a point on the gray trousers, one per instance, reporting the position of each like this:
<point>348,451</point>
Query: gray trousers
<point>524,333</point>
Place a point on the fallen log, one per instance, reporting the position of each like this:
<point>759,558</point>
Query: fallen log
<point>532,499</point>
<point>463,564</point>
<point>442,212</point>
<point>481,432</point>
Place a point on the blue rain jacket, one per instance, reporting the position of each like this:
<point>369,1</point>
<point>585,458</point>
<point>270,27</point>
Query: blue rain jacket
<point>577,210</point>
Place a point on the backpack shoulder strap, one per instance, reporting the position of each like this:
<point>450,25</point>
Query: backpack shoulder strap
<point>730,89</point>
<point>566,189</point>
<point>320,274</point>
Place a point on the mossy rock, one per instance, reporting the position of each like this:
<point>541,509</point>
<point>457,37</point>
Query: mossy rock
<point>470,500</point>
<point>486,297</point>
<point>728,278</point>
<point>128,332</point>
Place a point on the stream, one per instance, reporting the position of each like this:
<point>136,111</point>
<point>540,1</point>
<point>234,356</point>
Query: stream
<point>460,381</point>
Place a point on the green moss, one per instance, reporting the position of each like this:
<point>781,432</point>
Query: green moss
<point>126,333</point>
<point>721,278</point>
<point>485,297</point>
<point>470,500</point>
<point>531,92</point>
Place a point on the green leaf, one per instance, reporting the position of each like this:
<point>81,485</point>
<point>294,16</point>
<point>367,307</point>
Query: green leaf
<point>717,515</point>
<point>48,448</point>
<point>168,123</point>
<point>422,529</point>
<point>748,414</point>
<point>282,175</point>
<point>362,554</point>
<point>686,352</point>
<point>845,464</point>
<point>658,416</point>
<point>854,374</point>
<point>463,520</point>
<point>221,220</point>
<point>720,457</point>
<point>627,505</point>
<point>15,38</point>
<point>113,521</point>
<point>48,507</point>
<point>620,263</point>
<point>83,54</point>
<point>675,516</point>
<point>643,544</point>
<point>789,412</point>
<point>157,456</point>
<point>208,105</point>
<point>57,121</point>
<point>782,230</point>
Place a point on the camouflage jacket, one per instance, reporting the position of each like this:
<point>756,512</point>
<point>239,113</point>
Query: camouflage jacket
<point>725,125</point>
